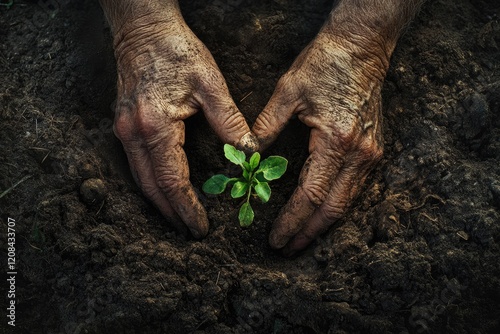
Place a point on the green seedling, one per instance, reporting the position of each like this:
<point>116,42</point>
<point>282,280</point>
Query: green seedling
<point>254,180</point>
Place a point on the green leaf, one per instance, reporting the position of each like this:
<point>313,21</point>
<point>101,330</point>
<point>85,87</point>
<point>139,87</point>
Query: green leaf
<point>246,170</point>
<point>246,175</point>
<point>273,167</point>
<point>239,189</point>
<point>232,154</point>
<point>216,184</point>
<point>254,160</point>
<point>259,176</point>
<point>246,215</point>
<point>263,191</point>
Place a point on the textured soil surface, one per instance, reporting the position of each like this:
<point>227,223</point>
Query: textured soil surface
<point>418,251</point>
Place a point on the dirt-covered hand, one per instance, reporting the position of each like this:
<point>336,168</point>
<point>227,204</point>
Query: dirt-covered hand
<point>334,88</point>
<point>165,75</point>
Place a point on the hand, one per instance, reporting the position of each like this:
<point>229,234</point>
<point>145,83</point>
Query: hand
<point>333,87</point>
<point>165,75</point>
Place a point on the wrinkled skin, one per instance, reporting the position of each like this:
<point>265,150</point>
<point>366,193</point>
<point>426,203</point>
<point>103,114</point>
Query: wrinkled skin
<point>165,74</point>
<point>330,91</point>
<point>334,87</point>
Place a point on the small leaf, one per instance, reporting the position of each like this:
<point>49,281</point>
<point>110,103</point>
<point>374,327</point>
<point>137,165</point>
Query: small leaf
<point>246,170</point>
<point>246,174</point>
<point>254,160</point>
<point>239,189</point>
<point>246,215</point>
<point>216,184</point>
<point>232,154</point>
<point>273,167</point>
<point>246,166</point>
<point>263,191</point>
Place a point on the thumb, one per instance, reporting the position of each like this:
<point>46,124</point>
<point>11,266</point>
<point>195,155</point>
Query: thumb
<point>284,102</point>
<point>224,117</point>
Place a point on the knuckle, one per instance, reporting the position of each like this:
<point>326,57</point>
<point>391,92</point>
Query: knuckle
<point>346,132</point>
<point>123,128</point>
<point>146,126</point>
<point>150,190</point>
<point>170,182</point>
<point>332,211</point>
<point>371,151</point>
<point>140,122</point>
<point>263,122</point>
<point>315,193</point>
<point>232,121</point>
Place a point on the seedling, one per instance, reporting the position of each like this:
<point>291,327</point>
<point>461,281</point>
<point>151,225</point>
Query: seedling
<point>253,181</point>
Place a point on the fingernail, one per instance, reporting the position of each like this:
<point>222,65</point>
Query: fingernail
<point>248,143</point>
<point>196,234</point>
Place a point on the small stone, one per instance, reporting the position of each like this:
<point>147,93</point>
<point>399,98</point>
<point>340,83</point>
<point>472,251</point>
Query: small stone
<point>93,191</point>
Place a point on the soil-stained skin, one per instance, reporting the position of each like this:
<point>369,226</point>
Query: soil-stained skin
<point>417,252</point>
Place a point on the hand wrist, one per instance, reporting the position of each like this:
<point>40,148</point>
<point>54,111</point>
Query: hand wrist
<point>127,16</point>
<point>369,29</point>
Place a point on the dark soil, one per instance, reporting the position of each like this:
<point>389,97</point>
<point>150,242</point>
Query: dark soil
<point>418,251</point>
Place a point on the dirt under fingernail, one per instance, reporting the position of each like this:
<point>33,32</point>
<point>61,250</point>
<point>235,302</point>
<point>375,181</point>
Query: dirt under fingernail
<point>248,143</point>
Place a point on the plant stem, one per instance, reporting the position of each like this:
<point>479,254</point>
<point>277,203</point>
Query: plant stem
<point>249,193</point>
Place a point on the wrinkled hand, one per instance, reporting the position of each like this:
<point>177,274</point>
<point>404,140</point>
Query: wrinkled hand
<point>165,75</point>
<point>333,87</point>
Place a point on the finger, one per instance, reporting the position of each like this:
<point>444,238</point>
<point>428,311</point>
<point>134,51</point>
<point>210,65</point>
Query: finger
<point>314,184</point>
<point>290,220</point>
<point>223,115</point>
<point>344,189</point>
<point>171,171</point>
<point>142,171</point>
<point>284,102</point>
